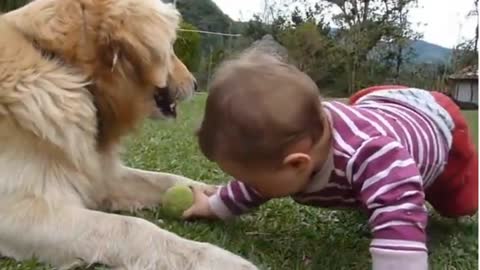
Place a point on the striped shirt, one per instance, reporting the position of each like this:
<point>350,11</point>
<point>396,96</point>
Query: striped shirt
<point>386,149</point>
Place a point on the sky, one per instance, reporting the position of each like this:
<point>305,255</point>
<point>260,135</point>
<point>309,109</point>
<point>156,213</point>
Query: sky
<point>442,22</point>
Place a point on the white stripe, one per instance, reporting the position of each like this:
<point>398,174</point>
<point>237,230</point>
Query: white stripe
<point>397,243</point>
<point>430,171</point>
<point>428,163</point>
<point>339,153</point>
<point>412,192</point>
<point>388,187</point>
<point>349,123</point>
<point>413,125</point>
<point>404,195</point>
<point>384,150</point>
<point>340,173</point>
<point>385,123</point>
<point>439,152</point>
<point>245,192</point>
<point>350,162</point>
<point>416,128</point>
<point>403,206</point>
<point>234,200</point>
<point>419,98</point>
<point>370,121</point>
<point>336,136</point>
<point>338,186</point>
<point>375,105</point>
<point>381,175</point>
<point>342,143</point>
<point>392,224</point>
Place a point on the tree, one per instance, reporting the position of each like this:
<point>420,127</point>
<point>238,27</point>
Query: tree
<point>363,24</point>
<point>465,54</point>
<point>187,46</point>
<point>474,13</point>
<point>314,52</point>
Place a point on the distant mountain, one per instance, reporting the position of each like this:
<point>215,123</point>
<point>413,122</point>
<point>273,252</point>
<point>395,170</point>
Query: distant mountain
<point>427,52</point>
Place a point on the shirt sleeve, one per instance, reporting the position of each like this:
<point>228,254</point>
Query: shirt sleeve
<point>234,199</point>
<point>388,183</point>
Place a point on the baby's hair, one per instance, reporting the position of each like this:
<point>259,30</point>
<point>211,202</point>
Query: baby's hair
<point>258,106</point>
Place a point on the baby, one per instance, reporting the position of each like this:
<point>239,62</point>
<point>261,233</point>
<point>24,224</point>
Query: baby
<point>391,150</point>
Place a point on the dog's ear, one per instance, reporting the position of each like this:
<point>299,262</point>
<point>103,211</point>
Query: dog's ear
<point>140,36</point>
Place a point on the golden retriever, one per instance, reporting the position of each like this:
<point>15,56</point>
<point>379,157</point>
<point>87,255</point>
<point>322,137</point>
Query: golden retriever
<point>75,77</point>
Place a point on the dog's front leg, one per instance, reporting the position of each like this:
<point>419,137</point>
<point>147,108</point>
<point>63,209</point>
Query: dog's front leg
<point>136,188</point>
<point>64,235</point>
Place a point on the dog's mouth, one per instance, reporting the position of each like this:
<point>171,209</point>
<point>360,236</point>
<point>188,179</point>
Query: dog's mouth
<point>165,102</point>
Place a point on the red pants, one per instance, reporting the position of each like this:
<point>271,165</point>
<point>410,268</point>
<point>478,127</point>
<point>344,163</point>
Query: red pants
<point>455,192</point>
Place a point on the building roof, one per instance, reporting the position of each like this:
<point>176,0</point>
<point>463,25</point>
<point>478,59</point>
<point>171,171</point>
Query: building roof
<point>468,73</point>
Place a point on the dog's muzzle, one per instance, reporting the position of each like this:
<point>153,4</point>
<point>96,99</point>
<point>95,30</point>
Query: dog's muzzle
<point>165,102</point>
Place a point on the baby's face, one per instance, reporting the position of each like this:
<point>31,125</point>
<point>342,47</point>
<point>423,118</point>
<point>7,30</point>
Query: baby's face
<point>268,181</point>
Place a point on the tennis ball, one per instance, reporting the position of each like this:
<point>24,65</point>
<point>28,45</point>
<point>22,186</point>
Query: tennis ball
<point>177,199</point>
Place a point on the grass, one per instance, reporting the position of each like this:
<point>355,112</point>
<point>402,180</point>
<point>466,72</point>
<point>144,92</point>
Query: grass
<point>281,234</point>
<point>472,118</point>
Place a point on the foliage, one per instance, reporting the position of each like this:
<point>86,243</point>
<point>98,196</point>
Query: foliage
<point>465,53</point>
<point>7,5</point>
<point>206,15</point>
<point>187,46</point>
<point>364,24</point>
<point>314,52</point>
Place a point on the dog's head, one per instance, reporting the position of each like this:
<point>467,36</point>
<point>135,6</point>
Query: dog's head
<point>124,46</point>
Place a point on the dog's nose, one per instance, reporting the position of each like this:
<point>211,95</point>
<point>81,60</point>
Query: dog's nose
<point>195,86</point>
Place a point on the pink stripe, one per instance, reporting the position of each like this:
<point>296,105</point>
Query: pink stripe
<point>240,197</point>
<point>399,174</point>
<point>395,196</point>
<point>383,122</point>
<point>418,215</point>
<point>401,122</point>
<point>402,232</point>
<point>342,128</point>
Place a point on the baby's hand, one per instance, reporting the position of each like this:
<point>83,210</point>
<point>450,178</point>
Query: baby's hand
<point>201,207</point>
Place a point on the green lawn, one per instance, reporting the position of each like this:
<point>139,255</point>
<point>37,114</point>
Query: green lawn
<point>282,234</point>
<point>472,117</point>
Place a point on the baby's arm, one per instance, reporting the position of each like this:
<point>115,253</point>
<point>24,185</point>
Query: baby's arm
<point>234,199</point>
<point>389,184</point>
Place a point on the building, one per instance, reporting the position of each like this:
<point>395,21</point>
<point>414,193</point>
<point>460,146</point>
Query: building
<point>464,85</point>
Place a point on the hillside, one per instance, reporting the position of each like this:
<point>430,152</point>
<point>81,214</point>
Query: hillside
<point>428,52</point>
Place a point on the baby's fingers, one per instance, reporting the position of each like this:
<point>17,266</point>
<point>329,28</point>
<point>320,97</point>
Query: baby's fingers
<point>189,213</point>
<point>200,202</point>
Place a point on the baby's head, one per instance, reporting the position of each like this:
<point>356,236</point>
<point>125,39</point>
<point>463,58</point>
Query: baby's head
<point>262,120</point>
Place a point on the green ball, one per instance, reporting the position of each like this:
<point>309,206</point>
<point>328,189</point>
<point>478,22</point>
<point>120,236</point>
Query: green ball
<point>177,199</point>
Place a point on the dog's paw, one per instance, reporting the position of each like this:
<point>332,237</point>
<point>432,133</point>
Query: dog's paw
<point>215,258</point>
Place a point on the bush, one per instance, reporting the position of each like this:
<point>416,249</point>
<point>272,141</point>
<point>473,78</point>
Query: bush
<point>187,47</point>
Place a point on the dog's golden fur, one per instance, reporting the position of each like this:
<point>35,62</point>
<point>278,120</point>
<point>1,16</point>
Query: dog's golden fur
<point>75,77</point>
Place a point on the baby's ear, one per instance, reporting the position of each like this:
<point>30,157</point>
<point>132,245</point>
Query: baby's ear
<point>298,161</point>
